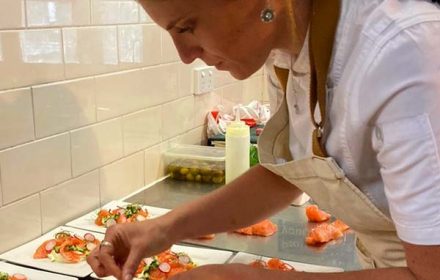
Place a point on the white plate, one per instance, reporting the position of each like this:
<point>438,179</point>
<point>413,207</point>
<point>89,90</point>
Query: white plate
<point>248,258</point>
<point>23,255</point>
<point>32,274</point>
<point>200,256</point>
<point>87,222</point>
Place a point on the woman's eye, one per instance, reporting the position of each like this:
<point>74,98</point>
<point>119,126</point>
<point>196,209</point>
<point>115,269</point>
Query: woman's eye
<point>184,30</point>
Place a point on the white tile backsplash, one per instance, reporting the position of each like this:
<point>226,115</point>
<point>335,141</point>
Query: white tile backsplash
<point>21,222</point>
<point>154,168</point>
<point>121,93</point>
<point>33,167</point>
<point>96,145</point>
<point>177,117</point>
<point>142,130</point>
<point>122,177</point>
<point>57,12</point>
<point>63,106</point>
<point>16,118</point>
<point>12,14</point>
<point>65,202</point>
<point>114,11</point>
<point>91,93</point>
<point>169,51</point>
<point>30,57</point>
<point>90,50</point>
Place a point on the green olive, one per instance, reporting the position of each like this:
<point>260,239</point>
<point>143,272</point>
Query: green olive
<point>184,170</point>
<point>171,168</point>
<point>218,179</point>
<point>194,170</point>
<point>198,178</point>
<point>218,172</point>
<point>190,177</point>
<point>206,178</point>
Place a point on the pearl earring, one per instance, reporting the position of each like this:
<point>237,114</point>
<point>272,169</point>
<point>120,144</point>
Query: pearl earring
<point>267,15</point>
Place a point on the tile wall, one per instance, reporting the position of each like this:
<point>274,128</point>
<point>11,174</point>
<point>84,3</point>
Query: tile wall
<point>91,92</point>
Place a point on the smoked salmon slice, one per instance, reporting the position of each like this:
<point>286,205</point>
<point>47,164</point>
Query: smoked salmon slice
<point>326,232</point>
<point>316,215</point>
<point>264,228</point>
<point>272,264</point>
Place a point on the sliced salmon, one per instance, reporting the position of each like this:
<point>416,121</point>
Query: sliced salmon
<point>326,232</point>
<point>340,225</point>
<point>41,252</point>
<point>277,264</point>
<point>166,265</point>
<point>207,237</point>
<point>272,264</point>
<point>264,228</point>
<point>316,215</point>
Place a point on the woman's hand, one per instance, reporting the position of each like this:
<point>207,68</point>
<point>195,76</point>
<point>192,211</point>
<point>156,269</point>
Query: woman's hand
<point>228,272</point>
<point>125,245</point>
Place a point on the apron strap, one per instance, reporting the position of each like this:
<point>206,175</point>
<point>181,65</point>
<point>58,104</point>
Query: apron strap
<point>324,22</point>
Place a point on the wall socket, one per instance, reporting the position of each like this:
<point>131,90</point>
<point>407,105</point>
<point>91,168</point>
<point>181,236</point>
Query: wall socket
<point>203,79</point>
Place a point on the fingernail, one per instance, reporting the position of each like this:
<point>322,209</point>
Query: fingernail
<point>128,277</point>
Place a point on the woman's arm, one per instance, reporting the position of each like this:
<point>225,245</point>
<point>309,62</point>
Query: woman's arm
<point>255,195</point>
<point>422,265</point>
<point>252,197</point>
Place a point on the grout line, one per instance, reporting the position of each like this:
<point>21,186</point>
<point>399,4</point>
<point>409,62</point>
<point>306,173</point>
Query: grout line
<point>71,155</point>
<point>33,114</point>
<point>1,187</point>
<point>25,13</point>
<point>41,213</point>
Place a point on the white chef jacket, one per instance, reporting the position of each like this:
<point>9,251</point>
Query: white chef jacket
<point>383,123</point>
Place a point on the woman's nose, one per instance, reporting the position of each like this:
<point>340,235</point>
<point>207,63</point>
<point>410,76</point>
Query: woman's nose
<point>188,52</point>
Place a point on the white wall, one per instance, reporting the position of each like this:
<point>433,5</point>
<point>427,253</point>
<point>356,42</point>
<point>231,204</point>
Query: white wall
<point>91,91</point>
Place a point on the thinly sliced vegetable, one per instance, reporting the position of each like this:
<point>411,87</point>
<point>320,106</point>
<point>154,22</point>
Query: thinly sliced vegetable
<point>91,246</point>
<point>140,218</point>
<point>89,237</point>
<point>184,259</point>
<point>50,245</point>
<point>110,222</point>
<point>165,267</point>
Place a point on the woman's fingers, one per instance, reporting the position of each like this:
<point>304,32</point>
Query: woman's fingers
<point>131,264</point>
<point>107,258</point>
<point>95,264</point>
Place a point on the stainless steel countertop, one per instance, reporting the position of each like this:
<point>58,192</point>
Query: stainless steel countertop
<point>288,243</point>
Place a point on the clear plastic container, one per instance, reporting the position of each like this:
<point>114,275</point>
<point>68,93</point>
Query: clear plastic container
<point>195,163</point>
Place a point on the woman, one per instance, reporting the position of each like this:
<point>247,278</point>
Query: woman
<point>363,142</point>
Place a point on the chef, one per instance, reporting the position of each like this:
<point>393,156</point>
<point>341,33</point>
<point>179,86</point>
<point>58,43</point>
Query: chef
<point>355,85</point>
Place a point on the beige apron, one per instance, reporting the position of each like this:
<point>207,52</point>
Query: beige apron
<point>320,176</point>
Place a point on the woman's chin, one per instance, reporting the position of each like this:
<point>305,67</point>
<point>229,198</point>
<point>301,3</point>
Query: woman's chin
<point>240,75</point>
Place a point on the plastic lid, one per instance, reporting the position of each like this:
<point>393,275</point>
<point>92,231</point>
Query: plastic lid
<point>197,152</point>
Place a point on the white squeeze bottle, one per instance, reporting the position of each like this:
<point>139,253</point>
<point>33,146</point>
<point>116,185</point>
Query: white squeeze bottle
<point>237,148</point>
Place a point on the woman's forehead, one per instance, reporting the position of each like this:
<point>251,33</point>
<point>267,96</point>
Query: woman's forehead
<point>167,12</point>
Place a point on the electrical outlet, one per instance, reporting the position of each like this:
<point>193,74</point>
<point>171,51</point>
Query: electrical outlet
<point>203,79</point>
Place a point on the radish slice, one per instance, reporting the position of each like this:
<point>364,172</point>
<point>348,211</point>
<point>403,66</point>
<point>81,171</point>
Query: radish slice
<point>110,222</point>
<point>89,237</point>
<point>148,261</point>
<point>183,259</point>
<point>50,245</point>
<point>140,218</point>
<point>19,276</point>
<point>91,246</point>
<point>165,267</point>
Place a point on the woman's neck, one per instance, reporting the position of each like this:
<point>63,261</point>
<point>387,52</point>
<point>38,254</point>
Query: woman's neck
<point>293,25</point>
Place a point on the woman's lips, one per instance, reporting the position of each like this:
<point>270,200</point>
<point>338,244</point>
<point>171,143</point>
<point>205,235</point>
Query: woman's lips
<point>220,66</point>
